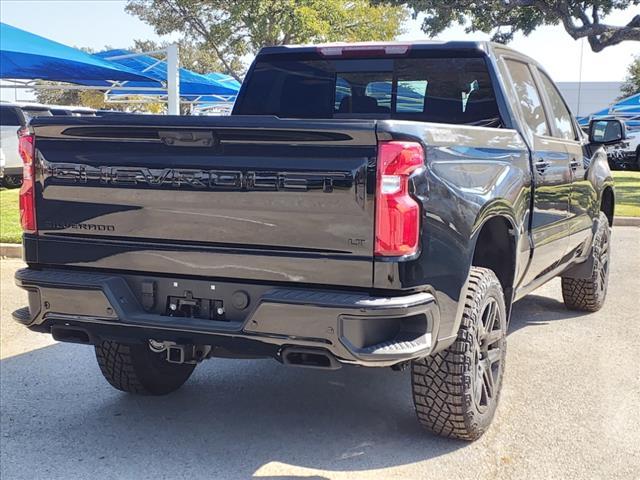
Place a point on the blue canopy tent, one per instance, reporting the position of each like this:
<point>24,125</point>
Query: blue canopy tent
<point>226,80</point>
<point>193,86</point>
<point>627,109</point>
<point>24,55</point>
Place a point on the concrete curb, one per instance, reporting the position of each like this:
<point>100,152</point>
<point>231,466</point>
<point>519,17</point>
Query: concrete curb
<point>626,221</point>
<point>14,250</point>
<point>11,250</point>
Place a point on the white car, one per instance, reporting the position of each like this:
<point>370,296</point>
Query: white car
<point>12,119</point>
<point>633,148</point>
<point>625,154</point>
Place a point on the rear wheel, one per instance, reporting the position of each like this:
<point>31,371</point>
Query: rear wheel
<point>456,391</point>
<point>134,368</point>
<point>11,181</point>
<point>588,294</point>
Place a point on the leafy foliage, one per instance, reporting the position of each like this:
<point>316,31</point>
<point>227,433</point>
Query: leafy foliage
<point>503,18</point>
<point>232,29</point>
<point>92,99</point>
<point>57,97</point>
<point>631,83</point>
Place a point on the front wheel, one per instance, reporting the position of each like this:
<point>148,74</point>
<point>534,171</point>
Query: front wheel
<point>588,294</point>
<point>134,368</point>
<point>456,391</point>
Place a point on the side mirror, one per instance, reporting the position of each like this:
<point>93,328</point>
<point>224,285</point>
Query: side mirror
<point>606,132</point>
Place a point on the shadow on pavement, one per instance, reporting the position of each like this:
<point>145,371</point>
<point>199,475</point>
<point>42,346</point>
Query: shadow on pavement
<point>539,310</point>
<point>231,419</point>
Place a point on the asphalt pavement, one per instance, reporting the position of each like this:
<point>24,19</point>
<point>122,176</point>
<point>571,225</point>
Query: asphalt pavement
<point>570,407</point>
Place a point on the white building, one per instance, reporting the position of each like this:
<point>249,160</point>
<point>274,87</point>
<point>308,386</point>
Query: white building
<point>589,97</point>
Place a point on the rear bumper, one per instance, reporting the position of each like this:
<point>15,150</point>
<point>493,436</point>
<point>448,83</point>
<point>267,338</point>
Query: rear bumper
<point>257,319</point>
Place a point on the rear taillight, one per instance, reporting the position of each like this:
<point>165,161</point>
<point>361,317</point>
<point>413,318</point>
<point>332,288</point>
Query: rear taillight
<point>27,191</point>
<point>397,213</point>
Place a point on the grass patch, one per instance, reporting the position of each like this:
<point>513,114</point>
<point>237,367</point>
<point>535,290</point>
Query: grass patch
<point>627,193</point>
<point>10,230</point>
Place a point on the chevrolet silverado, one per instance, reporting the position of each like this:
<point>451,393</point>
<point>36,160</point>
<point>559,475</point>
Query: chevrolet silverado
<point>379,205</point>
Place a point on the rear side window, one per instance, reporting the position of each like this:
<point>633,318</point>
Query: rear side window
<point>10,116</point>
<point>298,89</point>
<point>528,97</point>
<point>411,95</point>
<point>448,90</point>
<point>559,112</point>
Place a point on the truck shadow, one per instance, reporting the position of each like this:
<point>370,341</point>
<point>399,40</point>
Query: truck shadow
<point>234,418</point>
<point>539,310</point>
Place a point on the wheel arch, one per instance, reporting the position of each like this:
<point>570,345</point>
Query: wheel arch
<point>495,248</point>
<point>607,203</point>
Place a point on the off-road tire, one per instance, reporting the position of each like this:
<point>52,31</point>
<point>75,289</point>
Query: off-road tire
<point>11,181</point>
<point>134,368</point>
<point>589,294</point>
<point>445,385</point>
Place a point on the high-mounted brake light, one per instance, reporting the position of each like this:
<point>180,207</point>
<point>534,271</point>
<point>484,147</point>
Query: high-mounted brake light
<point>26,149</point>
<point>366,50</point>
<point>397,213</point>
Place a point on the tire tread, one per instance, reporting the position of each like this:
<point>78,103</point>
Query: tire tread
<point>442,383</point>
<point>582,294</point>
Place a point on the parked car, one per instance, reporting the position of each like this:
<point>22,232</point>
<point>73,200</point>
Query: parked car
<point>33,111</point>
<point>380,205</point>
<point>633,149</point>
<point>84,112</point>
<point>110,112</point>
<point>60,111</point>
<point>2,163</point>
<point>11,120</point>
<point>626,154</point>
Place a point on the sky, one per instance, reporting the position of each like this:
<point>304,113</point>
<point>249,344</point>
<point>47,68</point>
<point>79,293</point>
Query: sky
<point>100,23</point>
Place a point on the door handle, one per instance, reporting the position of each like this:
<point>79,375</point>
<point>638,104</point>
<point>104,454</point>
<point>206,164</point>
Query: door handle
<point>574,164</point>
<point>541,164</point>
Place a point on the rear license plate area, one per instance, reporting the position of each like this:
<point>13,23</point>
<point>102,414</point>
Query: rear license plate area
<point>193,307</point>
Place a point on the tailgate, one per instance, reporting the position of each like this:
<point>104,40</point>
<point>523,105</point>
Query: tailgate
<point>232,197</point>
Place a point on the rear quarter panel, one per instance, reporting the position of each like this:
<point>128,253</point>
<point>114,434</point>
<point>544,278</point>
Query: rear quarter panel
<point>598,174</point>
<point>472,174</point>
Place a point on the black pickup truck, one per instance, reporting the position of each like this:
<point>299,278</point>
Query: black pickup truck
<point>380,205</point>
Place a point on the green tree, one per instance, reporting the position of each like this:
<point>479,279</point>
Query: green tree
<point>503,18</point>
<point>631,83</point>
<point>57,97</point>
<point>232,29</point>
<point>92,99</point>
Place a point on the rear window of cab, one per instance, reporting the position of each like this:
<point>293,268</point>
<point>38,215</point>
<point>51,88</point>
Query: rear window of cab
<point>446,90</point>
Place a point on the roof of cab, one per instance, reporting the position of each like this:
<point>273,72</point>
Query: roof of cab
<point>415,45</point>
<point>488,48</point>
